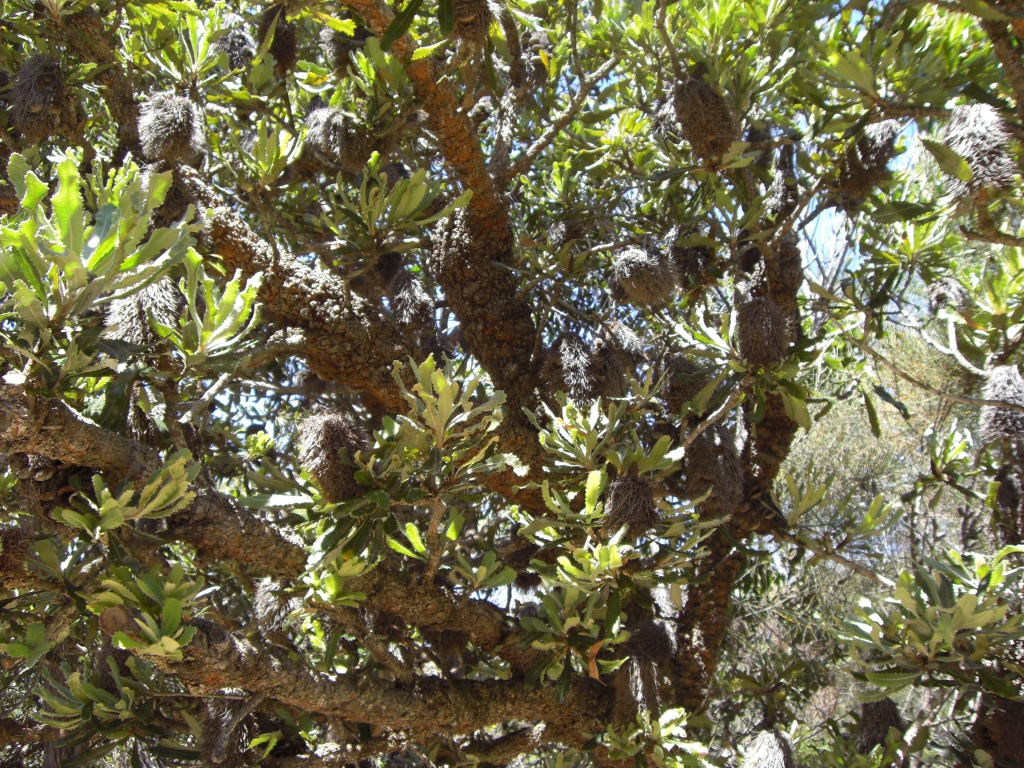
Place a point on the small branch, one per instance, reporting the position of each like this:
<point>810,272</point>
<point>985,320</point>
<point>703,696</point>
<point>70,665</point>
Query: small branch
<point>820,551</point>
<point>1009,57</point>
<point>677,67</point>
<point>927,387</point>
<point>525,160</point>
<point>996,238</point>
<point>727,406</point>
<point>434,537</point>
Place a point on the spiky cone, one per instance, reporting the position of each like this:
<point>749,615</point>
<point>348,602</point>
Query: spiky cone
<point>568,368</point>
<point>338,48</point>
<point>609,370</point>
<point>688,261</point>
<point>865,166</point>
<point>519,560</point>
<point>176,201</point>
<point>130,317</point>
<point>334,137</point>
<point>410,301</point>
<point>284,45</point>
<point>227,730</point>
<point>171,128</point>
<point>1004,384</point>
<point>534,43</point>
<point>783,195</point>
<point>14,545</point>
<point>770,749</point>
<point>236,43</point>
<point>762,332</point>
<point>39,98</point>
<point>705,118</point>
<point>876,718</point>
<point>563,232</point>
<point>631,503</point>
<point>979,135</point>
<point>626,340</point>
<point>686,380</point>
<point>473,19</point>
<point>946,292</point>
<point>712,463</point>
<point>646,276</point>
<point>636,691</point>
<point>328,443</point>
<point>653,642</point>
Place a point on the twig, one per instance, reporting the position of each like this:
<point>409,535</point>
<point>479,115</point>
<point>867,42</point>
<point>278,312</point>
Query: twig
<point>727,406</point>
<point>434,538</point>
<point>928,387</point>
<point>677,67</point>
<point>200,405</point>
<point>820,551</point>
<point>996,238</point>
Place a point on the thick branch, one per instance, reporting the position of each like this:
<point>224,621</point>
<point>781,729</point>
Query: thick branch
<point>1009,57</point>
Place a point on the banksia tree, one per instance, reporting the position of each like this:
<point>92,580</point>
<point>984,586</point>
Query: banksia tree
<point>978,134</point>
<point>876,718</point>
<point>171,128</point>
<point>310,497</point>
<point>762,333</point>
<point>328,444</point>
<point>39,98</point>
<point>706,119</point>
<point>645,276</point>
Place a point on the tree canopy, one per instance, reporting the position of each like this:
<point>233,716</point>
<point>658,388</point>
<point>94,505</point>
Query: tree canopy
<point>537,382</point>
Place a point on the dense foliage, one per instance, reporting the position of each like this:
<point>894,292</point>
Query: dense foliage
<point>460,383</point>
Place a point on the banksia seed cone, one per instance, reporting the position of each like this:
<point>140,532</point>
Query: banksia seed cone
<point>979,135</point>
<point>338,48</point>
<point>13,548</point>
<point>636,691</point>
<point>328,443</point>
<point>688,261</point>
<point>410,301</point>
<point>686,380</point>
<point>332,135</point>
<point>645,276</point>
<point>1005,384</point>
<point>171,128</point>
<point>162,301</point>
<point>39,98</point>
<point>176,200</point>
<point>473,19</point>
<point>562,232</point>
<point>533,43</point>
<point>631,503</point>
<point>608,369</point>
<point>237,44</point>
<point>783,196</point>
<point>653,642</point>
<point>706,120</point>
<point>771,749</point>
<point>876,718</point>
<point>568,368</point>
<point>1010,493</point>
<point>387,266</point>
<point>762,332</point>
<point>227,731</point>
<point>627,340</point>
<point>750,259</point>
<point>946,292</point>
<point>712,463</point>
<point>866,164</point>
<point>284,46</point>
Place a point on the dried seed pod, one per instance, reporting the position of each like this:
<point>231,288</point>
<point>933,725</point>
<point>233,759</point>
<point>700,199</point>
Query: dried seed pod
<point>338,47</point>
<point>410,301</point>
<point>750,260</point>
<point>228,728</point>
<point>562,232</point>
<point>519,561</point>
<point>876,718</point>
<point>636,691</point>
<point>783,195</point>
<point>706,120</point>
<point>762,332</point>
<point>161,301</point>
<point>40,100</point>
<point>771,749</point>
<point>568,368</point>
<point>712,463</point>
<point>946,292</point>
<point>533,43</point>
<point>14,545</point>
<point>979,135</point>
<point>387,266</point>
<point>328,443</point>
<point>387,625</point>
<point>473,19</point>
<point>626,340</point>
<point>284,45</point>
<point>646,277</point>
<point>176,201</point>
<point>652,641</point>
<point>686,380</point>
<point>334,136</point>
<point>396,172</point>
<point>1005,384</point>
<point>171,128</point>
<point>631,503</point>
<point>1010,492</point>
<point>865,166</point>
<point>237,44</point>
<point>609,371</point>
<point>688,261</point>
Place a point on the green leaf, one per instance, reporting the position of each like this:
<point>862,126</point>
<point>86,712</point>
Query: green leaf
<point>445,16</point>
<point>949,161</point>
<point>67,207</point>
<point>876,425</point>
<point>892,679</point>
<point>429,50</point>
<point>852,67</point>
<point>412,533</point>
<point>400,24</point>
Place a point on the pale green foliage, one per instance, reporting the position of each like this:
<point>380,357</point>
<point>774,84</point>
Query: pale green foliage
<point>665,739</point>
